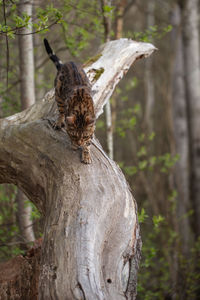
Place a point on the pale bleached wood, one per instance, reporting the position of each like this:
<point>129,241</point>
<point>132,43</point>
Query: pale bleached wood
<point>91,244</point>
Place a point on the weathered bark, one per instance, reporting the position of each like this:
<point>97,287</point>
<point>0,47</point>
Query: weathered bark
<point>190,23</point>
<point>91,244</point>
<point>27,91</point>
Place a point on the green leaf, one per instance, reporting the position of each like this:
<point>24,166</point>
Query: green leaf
<point>131,170</point>
<point>151,136</point>
<point>142,216</point>
<point>142,151</point>
<point>108,8</point>
<point>157,220</point>
<point>142,164</point>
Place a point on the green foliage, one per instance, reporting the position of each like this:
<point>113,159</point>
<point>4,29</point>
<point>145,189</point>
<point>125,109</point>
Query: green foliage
<point>162,163</point>
<point>9,230</point>
<point>127,120</point>
<point>150,34</point>
<point>82,22</point>
<point>22,21</point>
<point>142,216</point>
<point>108,11</point>
<point>161,242</point>
<point>44,19</point>
<point>167,161</point>
<point>155,277</point>
<point>153,287</point>
<point>157,220</point>
<point>130,170</point>
<point>35,214</point>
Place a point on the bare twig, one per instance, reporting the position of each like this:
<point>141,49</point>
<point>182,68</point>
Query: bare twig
<point>37,31</point>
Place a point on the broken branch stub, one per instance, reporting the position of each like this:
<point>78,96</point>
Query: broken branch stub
<point>114,60</point>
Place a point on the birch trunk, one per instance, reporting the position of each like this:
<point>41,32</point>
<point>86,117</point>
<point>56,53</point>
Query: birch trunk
<point>27,89</point>
<point>27,71</point>
<point>190,25</point>
<point>91,244</point>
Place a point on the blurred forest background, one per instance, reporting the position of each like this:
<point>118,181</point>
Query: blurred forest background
<point>151,126</point>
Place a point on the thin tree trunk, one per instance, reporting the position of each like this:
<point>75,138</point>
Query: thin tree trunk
<point>181,169</point>
<point>91,244</point>
<point>109,128</point>
<point>120,9</point>
<point>27,85</point>
<point>149,83</point>
<point>27,89</point>
<point>119,24</point>
<point>190,23</point>
<point>107,21</point>
<point>39,78</point>
<point>181,134</point>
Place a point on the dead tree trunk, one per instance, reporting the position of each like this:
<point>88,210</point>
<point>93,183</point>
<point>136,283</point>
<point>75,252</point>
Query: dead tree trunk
<point>91,243</point>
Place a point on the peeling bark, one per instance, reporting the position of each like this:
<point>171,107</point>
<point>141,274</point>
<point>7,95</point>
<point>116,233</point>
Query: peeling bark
<point>91,243</point>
